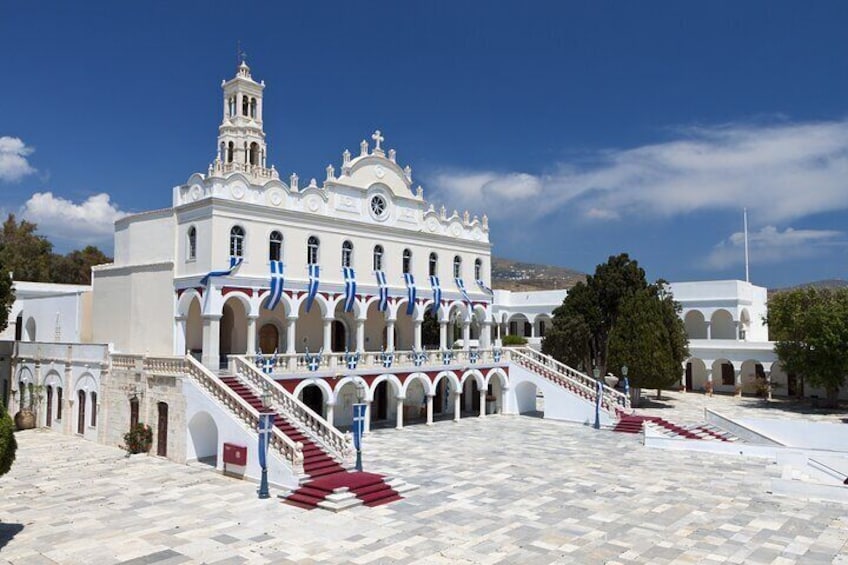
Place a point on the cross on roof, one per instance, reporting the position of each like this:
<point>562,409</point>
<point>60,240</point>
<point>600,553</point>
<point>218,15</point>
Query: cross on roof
<point>378,139</point>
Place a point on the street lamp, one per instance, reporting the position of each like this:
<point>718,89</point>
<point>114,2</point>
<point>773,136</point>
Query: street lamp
<point>359,421</point>
<point>266,423</point>
<point>598,392</point>
<point>626,380</point>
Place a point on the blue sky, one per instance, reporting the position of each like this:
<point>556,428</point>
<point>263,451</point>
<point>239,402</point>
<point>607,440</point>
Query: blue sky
<point>582,129</point>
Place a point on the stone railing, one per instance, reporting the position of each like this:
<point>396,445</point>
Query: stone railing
<point>47,352</point>
<point>612,399</point>
<point>333,362</point>
<point>290,450</point>
<point>338,445</point>
<point>219,167</point>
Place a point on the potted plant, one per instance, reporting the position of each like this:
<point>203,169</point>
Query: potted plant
<point>139,439</point>
<point>25,419</point>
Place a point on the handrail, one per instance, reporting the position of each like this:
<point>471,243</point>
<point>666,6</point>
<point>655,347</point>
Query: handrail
<point>612,398</point>
<point>334,441</point>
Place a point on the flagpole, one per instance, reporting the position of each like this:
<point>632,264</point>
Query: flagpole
<point>745,222</point>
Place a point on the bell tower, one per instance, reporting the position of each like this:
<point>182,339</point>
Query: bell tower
<point>241,139</point>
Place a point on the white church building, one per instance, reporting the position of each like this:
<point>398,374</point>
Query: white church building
<point>252,293</point>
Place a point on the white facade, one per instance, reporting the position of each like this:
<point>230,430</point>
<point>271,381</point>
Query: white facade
<point>49,312</point>
<point>527,314</point>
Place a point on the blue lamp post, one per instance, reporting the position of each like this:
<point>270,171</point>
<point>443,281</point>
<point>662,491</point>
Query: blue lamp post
<point>626,381</point>
<point>359,423</point>
<point>266,423</point>
<point>599,388</point>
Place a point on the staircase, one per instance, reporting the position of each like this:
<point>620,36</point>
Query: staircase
<point>325,483</point>
<point>633,424</point>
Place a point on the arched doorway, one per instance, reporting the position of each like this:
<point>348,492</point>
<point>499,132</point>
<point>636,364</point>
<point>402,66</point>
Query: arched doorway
<point>233,329</point>
<point>49,421</point>
<point>133,412</point>
<point>81,412</point>
<point>339,337</point>
<point>269,339</point>
<point>430,330</point>
<point>204,438</point>
<point>313,397</point>
<point>530,401</point>
<point>162,430</point>
<point>380,404</point>
<point>194,330</point>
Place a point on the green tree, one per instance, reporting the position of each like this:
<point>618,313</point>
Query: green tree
<point>8,444</point>
<point>811,329</point>
<point>75,267</point>
<point>583,324</point>
<point>650,339</point>
<point>7,296</point>
<point>24,253</point>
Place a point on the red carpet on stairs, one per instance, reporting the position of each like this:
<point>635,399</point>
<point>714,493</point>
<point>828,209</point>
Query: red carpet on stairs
<point>326,473</point>
<point>632,424</point>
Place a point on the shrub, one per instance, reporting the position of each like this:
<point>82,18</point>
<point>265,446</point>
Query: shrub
<point>139,439</point>
<point>514,340</point>
<point>8,444</point>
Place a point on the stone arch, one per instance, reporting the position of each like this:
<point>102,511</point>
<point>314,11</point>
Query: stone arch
<point>374,328</point>
<point>203,435</point>
<point>383,400</point>
<point>724,373</point>
<point>326,389</point>
<point>343,331</point>
<point>475,375</point>
<point>351,380</point>
<point>695,324</point>
<point>309,331</point>
<point>751,371</point>
<point>518,324</point>
<point>233,325</point>
<point>194,326</point>
<point>722,325</point>
<point>451,377</point>
<point>744,323</point>
<point>500,374</point>
<point>526,396</point>
<point>542,324</point>
<point>695,377</point>
<point>422,377</point>
<point>52,383</point>
<point>496,385</point>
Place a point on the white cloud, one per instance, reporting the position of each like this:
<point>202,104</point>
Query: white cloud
<point>13,163</point>
<point>781,172</point>
<point>90,222</point>
<point>770,245</point>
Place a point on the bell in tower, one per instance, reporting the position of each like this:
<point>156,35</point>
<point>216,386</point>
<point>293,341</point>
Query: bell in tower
<point>241,139</point>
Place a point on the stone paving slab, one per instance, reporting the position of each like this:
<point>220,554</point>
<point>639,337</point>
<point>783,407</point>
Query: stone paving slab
<point>500,489</point>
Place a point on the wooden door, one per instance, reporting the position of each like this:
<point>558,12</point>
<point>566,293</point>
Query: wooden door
<point>162,431</point>
<point>689,376</point>
<point>49,406</point>
<point>269,339</point>
<point>81,412</point>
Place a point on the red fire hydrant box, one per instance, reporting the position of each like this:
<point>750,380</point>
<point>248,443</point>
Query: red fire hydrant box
<point>235,459</point>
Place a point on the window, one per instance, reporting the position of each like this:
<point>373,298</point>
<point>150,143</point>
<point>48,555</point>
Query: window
<point>58,403</point>
<point>379,207</point>
<point>192,243</point>
<point>237,242</point>
<point>434,264</point>
<point>407,260</point>
<point>378,257</point>
<point>312,250</point>
<point>254,153</point>
<point>93,408</point>
<point>230,149</point>
<point>728,375</point>
<point>245,106</point>
<point>457,267</point>
<point>275,246</point>
<point>133,412</point>
<point>253,108</point>
<point>81,412</point>
<point>347,254</point>
<point>542,328</point>
<point>478,268</point>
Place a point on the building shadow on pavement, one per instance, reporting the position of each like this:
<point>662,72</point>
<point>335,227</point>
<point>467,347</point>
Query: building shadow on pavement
<point>7,532</point>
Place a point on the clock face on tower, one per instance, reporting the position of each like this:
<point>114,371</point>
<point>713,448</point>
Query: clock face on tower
<point>379,207</point>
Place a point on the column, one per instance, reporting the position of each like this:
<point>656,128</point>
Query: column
<point>328,335</point>
<point>737,389</point>
<point>390,335</point>
<point>486,335</point>
<point>360,335</point>
<point>180,335</point>
<point>466,335</point>
<point>367,427</point>
<point>709,386</point>
<point>211,358</point>
<point>457,407</point>
<point>417,336</point>
<point>291,332</point>
<point>251,335</point>
<point>331,414</point>
<point>736,327</point>
<point>482,402</point>
<point>399,425</point>
<point>709,330</point>
<point>430,409</point>
<point>443,334</point>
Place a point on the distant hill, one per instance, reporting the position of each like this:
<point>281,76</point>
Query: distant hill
<point>520,276</point>
<point>827,283</point>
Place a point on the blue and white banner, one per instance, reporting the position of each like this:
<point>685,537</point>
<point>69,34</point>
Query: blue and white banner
<point>418,358</point>
<point>276,285</point>
<point>235,262</point>
<point>313,360</point>
<point>314,279</point>
<point>485,288</point>
<point>387,359</point>
<point>266,424</point>
<point>268,365</point>
<point>461,286</point>
<point>350,288</point>
<point>384,290</point>
<point>437,293</point>
<point>358,424</point>
<point>351,360</point>
<point>410,292</point>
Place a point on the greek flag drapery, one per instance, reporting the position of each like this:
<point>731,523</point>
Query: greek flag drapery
<point>437,293</point>
<point>350,288</point>
<point>461,286</point>
<point>384,290</point>
<point>276,285</point>
<point>235,262</point>
<point>410,291</point>
<point>483,286</point>
<point>314,279</point>
<point>266,424</point>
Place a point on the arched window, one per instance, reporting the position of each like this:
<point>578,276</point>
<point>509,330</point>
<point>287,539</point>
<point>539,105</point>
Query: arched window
<point>133,412</point>
<point>434,264</point>
<point>253,108</point>
<point>232,106</point>
<point>59,403</point>
<point>93,408</point>
<point>81,412</point>
<point>478,268</point>
<point>457,267</point>
<point>245,106</point>
<point>347,254</point>
<point>192,243</point>
<point>378,257</point>
<point>407,260</point>
<point>275,246</point>
<point>254,153</point>
<point>312,250</point>
<point>230,149</point>
<point>237,241</point>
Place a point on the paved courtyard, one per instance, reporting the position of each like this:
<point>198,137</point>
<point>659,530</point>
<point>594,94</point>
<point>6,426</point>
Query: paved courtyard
<point>494,490</point>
